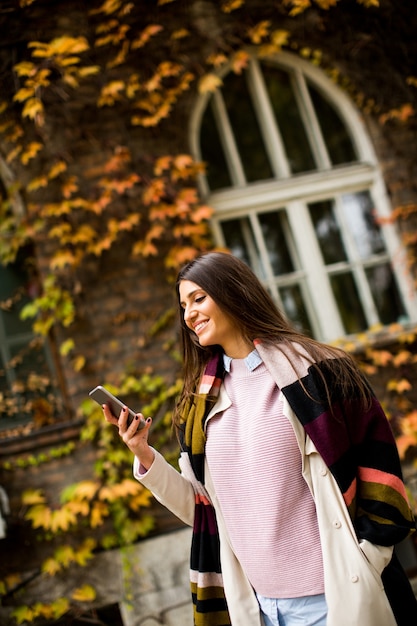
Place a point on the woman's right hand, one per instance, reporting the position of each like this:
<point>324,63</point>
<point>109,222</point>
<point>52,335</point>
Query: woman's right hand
<point>136,440</point>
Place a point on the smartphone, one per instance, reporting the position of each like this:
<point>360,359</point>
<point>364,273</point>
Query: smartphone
<point>103,396</point>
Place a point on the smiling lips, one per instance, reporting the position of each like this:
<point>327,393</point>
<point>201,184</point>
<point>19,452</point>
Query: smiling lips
<point>199,326</point>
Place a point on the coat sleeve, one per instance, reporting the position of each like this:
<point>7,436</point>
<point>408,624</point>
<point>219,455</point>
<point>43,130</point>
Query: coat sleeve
<point>169,487</point>
<point>358,446</point>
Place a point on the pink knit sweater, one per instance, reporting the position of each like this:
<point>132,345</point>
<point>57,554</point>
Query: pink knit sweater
<point>255,466</point>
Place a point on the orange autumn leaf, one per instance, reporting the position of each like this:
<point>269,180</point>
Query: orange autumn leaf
<point>154,192</point>
<point>404,442</point>
<point>202,213</point>
<point>259,32</point>
<point>400,386</point>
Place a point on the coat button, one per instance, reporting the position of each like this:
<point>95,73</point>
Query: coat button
<point>336,523</point>
<point>323,471</point>
<point>354,578</point>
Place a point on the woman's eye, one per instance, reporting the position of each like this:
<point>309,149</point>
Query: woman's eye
<point>200,299</point>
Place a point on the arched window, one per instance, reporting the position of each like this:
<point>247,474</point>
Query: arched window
<point>298,195</point>
<point>27,391</point>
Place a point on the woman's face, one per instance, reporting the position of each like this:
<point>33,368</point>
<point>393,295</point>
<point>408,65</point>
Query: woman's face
<point>211,325</point>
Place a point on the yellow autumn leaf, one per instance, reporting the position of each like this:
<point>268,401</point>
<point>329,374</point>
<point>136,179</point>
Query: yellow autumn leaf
<point>217,59</point>
<point>181,33</point>
<point>33,496</point>
<point>142,499</point>
<point>86,593</point>
<point>50,567</point>
<point>89,70</point>
<point>85,552</point>
<point>31,151</point>
<point>37,183</point>
<point>25,68</point>
<point>86,490</point>
<point>280,37</point>
<point>402,358</point>
<point>62,519</point>
<point>59,46</point>
<point>209,83</point>
<point>111,92</point>
<point>78,363</point>
<point>32,108</point>
<point>99,511</point>
<point>64,555</point>
<point>144,248</point>
<point>62,258</point>
<point>70,80</point>
<point>57,169</point>
<point>79,507</point>
<point>400,386</point>
<point>228,6</point>
<point>24,93</point>
<point>59,607</point>
<point>13,154</point>
<point>298,6</point>
<point>69,61</point>
<point>40,515</point>
<point>258,32</point>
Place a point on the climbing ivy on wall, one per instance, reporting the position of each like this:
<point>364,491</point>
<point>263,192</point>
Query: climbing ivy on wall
<point>136,65</point>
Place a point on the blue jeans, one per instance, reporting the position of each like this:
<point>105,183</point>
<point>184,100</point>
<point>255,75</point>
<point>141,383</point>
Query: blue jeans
<point>306,611</point>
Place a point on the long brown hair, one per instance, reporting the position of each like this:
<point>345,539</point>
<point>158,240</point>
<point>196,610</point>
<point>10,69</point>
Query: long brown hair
<point>239,293</point>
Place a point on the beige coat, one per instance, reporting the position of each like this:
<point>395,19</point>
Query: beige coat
<point>353,587</point>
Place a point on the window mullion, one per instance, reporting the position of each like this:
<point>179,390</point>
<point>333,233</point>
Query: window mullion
<point>227,139</point>
<point>357,265</point>
<point>263,253</point>
<point>269,129</point>
<point>310,257</point>
<point>311,123</point>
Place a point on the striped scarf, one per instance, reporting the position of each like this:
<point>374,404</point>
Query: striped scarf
<point>209,602</point>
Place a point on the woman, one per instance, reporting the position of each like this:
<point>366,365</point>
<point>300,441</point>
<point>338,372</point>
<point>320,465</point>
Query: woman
<point>290,474</point>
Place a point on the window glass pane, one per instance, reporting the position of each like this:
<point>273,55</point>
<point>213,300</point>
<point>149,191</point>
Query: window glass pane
<point>360,215</point>
<point>246,128</point>
<point>212,152</point>
<point>27,392</point>
<point>349,305</point>
<point>238,237</point>
<point>272,225</point>
<point>327,232</point>
<point>385,293</point>
<point>294,308</point>
<point>234,239</point>
<point>337,140</point>
<point>288,119</point>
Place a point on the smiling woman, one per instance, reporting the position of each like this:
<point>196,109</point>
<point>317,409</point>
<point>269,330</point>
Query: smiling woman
<point>269,415</point>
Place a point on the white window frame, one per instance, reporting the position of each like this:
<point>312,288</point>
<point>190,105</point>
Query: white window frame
<point>293,192</point>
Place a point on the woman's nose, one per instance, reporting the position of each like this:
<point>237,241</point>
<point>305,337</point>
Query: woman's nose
<point>189,314</point>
